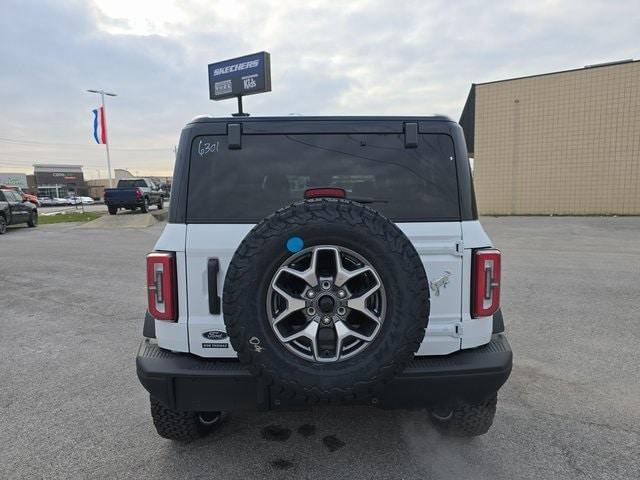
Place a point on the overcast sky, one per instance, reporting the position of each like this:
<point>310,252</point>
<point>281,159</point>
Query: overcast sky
<point>327,57</point>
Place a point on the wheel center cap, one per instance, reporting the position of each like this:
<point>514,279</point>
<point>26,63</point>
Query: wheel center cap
<point>326,304</point>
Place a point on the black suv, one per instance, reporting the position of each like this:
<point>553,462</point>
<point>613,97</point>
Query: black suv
<point>14,210</point>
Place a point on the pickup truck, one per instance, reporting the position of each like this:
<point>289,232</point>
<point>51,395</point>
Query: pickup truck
<point>132,193</point>
<point>14,209</point>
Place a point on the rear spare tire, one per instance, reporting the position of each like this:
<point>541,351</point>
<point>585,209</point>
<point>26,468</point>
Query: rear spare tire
<point>326,299</point>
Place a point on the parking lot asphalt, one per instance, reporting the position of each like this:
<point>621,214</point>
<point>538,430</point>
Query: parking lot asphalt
<point>71,308</point>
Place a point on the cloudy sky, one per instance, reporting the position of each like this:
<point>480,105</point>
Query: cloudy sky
<point>327,57</point>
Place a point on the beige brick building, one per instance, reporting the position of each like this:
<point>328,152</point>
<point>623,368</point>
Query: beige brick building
<point>565,143</point>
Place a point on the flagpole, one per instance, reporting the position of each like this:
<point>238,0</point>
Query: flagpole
<point>106,143</point>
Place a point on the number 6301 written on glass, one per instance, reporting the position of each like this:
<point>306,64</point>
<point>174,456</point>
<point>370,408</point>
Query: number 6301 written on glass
<point>204,148</point>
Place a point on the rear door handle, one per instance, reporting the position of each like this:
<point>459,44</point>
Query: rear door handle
<point>213,267</point>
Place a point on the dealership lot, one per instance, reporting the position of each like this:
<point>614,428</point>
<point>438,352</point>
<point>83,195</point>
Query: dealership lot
<point>71,307</point>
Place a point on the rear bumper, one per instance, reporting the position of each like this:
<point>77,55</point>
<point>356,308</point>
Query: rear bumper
<point>186,382</point>
<point>126,203</point>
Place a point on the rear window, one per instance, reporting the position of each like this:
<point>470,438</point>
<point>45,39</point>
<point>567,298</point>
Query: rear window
<point>131,183</point>
<point>272,171</point>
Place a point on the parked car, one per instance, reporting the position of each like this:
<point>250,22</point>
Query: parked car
<point>60,201</point>
<point>133,193</point>
<point>46,201</point>
<point>80,200</point>
<point>14,209</point>
<point>323,260</point>
<point>25,196</point>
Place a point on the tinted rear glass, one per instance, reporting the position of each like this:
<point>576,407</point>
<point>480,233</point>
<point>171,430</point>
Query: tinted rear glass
<point>131,183</point>
<point>272,171</point>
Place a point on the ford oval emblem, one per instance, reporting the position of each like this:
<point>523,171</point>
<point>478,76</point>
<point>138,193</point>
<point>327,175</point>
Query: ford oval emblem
<point>215,335</point>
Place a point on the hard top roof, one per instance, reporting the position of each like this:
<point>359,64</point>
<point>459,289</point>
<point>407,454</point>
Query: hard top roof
<point>332,118</point>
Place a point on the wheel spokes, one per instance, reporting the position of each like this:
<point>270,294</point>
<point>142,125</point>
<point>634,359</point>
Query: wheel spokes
<point>343,331</point>
<point>360,303</point>
<point>293,304</point>
<point>342,274</point>
<point>309,276</point>
<point>326,295</point>
<point>308,332</point>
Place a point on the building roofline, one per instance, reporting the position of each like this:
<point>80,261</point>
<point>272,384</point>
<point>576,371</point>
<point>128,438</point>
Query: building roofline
<point>56,165</point>
<point>585,68</point>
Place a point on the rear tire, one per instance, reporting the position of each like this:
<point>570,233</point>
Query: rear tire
<point>183,426</point>
<point>466,419</point>
<point>145,205</point>
<point>3,225</point>
<point>161,203</point>
<point>33,219</point>
<point>113,210</point>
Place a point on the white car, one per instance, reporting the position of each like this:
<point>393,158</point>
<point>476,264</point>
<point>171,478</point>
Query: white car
<point>47,201</point>
<point>335,260</point>
<point>59,201</point>
<point>80,200</point>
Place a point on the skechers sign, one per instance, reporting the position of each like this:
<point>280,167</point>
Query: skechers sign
<point>240,76</point>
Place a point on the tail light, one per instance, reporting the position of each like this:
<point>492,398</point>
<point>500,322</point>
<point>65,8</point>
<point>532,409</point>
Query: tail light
<point>325,192</point>
<point>486,282</point>
<point>162,287</point>
<point>138,192</point>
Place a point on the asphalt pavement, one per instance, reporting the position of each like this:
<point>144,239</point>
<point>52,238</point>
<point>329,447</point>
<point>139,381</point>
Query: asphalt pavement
<point>71,307</point>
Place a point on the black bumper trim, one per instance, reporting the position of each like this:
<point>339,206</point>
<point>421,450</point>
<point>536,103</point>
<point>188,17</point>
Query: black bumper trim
<point>186,382</point>
<point>149,327</point>
<point>498,322</point>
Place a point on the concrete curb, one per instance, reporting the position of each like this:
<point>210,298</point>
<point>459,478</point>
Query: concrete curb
<point>127,220</point>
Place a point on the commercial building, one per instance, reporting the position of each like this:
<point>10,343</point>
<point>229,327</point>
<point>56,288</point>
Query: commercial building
<point>97,186</point>
<point>565,143</point>
<point>15,179</point>
<point>56,180</point>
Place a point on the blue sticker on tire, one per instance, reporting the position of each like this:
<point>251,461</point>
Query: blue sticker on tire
<point>295,244</point>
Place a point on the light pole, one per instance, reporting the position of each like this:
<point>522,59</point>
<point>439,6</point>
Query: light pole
<point>106,143</point>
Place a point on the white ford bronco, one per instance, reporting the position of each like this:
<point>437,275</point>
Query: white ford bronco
<point>323,260</point>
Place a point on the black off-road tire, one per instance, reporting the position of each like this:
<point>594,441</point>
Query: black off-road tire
<point>113,210</point>
<point>466,419</point>
<point>183,426</point>
<point>33,219</point>
<point>326,222</point>
<point>3,224</point>
<point>145,205</point>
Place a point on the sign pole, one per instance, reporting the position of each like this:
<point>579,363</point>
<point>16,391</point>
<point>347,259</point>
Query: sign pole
<point>240,112</point>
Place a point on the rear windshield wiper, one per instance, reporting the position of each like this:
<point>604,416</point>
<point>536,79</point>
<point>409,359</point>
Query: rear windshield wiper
<point>367,199</point>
